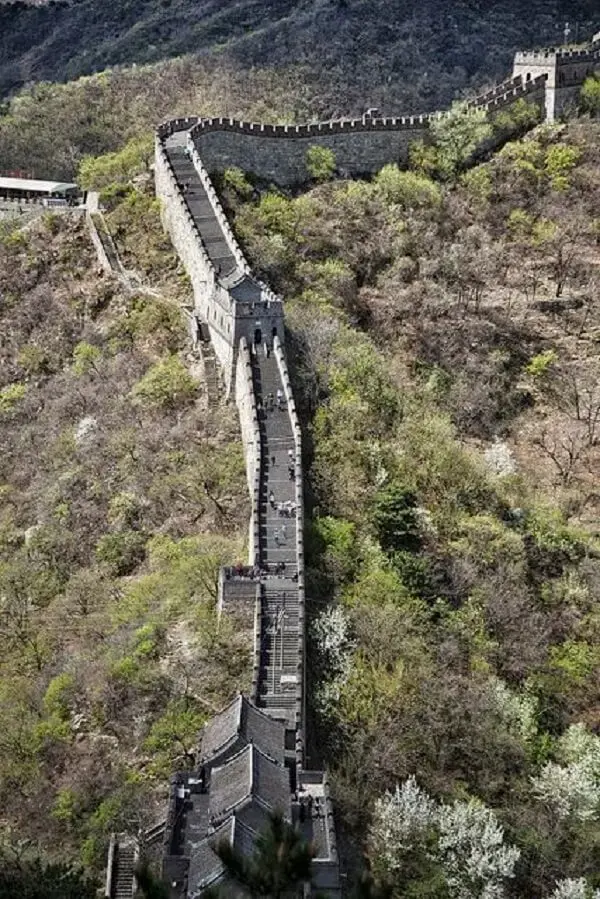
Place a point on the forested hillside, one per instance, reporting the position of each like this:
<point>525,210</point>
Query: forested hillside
<point>121,494</point>
<point>445,339</point>
<point>401,55</point>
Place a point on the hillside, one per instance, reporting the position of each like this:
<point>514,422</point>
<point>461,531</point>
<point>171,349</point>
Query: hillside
<point>121,495</point>
<point>401,56</point>
<point>445,340</point>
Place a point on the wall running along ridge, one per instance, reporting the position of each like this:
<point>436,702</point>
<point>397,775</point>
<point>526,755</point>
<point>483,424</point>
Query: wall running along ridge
<point>244,318</point>
<point>277,153</point>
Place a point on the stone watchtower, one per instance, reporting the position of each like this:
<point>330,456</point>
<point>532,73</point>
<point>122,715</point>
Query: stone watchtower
<point>565,70</point>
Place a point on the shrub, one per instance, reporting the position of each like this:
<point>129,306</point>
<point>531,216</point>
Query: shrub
<point>121,552</point>
<point>167,384</point>
<point>320,163</point>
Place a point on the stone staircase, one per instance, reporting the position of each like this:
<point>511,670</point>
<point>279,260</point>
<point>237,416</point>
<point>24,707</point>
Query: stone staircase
<point>123,884</point>
<point>279,671</point>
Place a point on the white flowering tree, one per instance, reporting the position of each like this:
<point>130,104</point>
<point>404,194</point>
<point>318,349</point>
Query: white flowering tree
<point>464,840</point>
<point>571,888</point>
<point>331,635</point>
<point>471,847</point>
<point>518,711</point>
<point>572,789</point>
<point>401,821</point>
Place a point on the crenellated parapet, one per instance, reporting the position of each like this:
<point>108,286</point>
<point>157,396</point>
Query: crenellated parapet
<point>565,68</point>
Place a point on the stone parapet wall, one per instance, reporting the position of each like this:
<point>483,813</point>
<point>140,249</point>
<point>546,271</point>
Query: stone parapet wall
<point>246,405</point>
<point>212,304</point>
<point>358,152</point>
<point>299,487</point>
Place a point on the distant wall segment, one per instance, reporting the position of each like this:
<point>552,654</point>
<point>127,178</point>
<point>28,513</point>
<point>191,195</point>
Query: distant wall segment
<point>277,153</point>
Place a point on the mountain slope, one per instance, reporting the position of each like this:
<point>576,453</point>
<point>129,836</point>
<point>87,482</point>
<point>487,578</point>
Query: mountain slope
<point>365,51</point>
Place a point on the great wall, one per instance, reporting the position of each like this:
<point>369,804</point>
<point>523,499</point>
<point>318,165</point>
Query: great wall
<point>252,757</point>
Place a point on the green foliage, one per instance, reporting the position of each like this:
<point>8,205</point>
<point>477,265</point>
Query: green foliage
<point>85,358</point>
<point>121,552</point>
<point>457,135</point>
<point>518,117</point>
<point>58,695</point>
<point>10,397</point>
<point>235,179</point>
<point>478,182</point>
<point>65,806</point>
<point>407,189</point>
<point>167,384</point>
<point>540,364</point>
<point>590,95</point>
<point>559,161</point>
<point>395,519</point>
<point>172,738</point>
<point>320,163</point>
<point>280,862</point>
<point>103,171</point>
<point>35,879</point>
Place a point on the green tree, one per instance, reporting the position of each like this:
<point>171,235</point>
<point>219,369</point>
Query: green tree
<point>320,163</point>
<point>395,519</point>
<point>281,860</point>
<point>590,95</point>
<point>96,172</point>
<point>457,135</point>
<point>410,190</point>
<point>166,385</point>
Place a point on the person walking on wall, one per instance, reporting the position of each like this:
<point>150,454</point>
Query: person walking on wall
<point>276,537</point>
<point>279,398</point>
<point>272,499</point>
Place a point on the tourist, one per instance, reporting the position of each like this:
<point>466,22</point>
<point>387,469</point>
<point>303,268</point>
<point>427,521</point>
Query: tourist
<point>279,398</point>
<point>276,537</point>
<point>283,531</point>
<point>272,499</point>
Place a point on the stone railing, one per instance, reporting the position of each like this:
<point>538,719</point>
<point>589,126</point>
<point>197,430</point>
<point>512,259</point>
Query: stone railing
<point>299,487</point>
<point>246,403</point>
<point>179,216</point>
<point>110,867</point>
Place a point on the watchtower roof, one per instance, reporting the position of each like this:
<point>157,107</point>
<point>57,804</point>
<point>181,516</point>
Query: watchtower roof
<point>242,721</point>
<point>248,776</point>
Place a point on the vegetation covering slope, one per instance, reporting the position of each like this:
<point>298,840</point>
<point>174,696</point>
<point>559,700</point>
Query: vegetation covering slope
<point>121,495</point>
<point>359,52</point>
<point>445,350</point>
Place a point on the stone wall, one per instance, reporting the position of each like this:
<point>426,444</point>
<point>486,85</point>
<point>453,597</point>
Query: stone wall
<point>246,406</point>
<point>277,153</point>
<point>299,485</point>
<point>283,161</point>
<point>212,303</point>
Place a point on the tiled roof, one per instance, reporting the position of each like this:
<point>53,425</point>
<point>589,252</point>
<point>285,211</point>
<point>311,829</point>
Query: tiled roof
<point>264,731</point>
<point>242,719</point>
<point>221,729</point>
<point>248,775</point>
<point>205,865</point>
